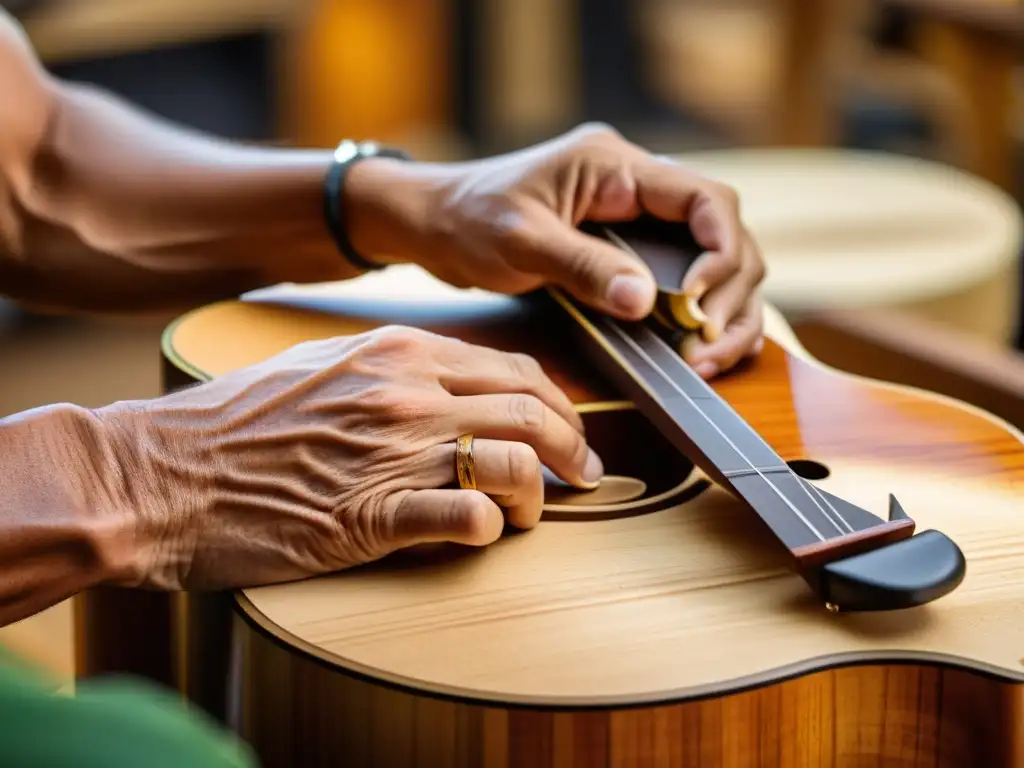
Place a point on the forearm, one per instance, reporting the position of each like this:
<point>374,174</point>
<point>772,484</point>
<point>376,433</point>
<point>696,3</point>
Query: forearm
<point>61,530</point>
<point>121,211</point>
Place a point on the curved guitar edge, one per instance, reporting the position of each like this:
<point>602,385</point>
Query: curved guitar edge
<point>175,361</point>
<point>776,329</point>
<point>905,574</point>
<point>185,370</point>
<point>257,622</point>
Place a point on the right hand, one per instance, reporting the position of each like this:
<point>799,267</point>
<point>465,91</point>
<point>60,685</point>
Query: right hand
<point>335,453</point>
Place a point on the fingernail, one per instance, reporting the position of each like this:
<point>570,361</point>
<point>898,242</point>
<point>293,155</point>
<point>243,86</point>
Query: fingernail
<point>706,369</point>
<point>631,294</point>
<point>594,469</point>
<point>758,346</point>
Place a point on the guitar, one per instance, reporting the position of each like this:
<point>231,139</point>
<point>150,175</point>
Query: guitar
<point>785,566</point>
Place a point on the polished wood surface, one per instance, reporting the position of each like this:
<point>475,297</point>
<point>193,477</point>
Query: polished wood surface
<point>296,712</point>
<point>632,637</point>
<point>977,45</point>
<point>899,347</point>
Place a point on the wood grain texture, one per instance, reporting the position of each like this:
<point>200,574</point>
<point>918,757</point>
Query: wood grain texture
<point>295,711</point>
<point>981,63</point>
<point>670,634</point>
<point>899,347</point>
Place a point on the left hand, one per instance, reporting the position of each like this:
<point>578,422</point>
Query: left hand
<point>509,224</point>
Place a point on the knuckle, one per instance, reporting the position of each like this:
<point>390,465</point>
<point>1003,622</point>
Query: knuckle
<point>466,515</point>
<point>758,270</point>
<point>524,366</point>
<point>398,340</point>
<point>728,194</point>
<point>597,132</point>
<point>527,413</point>
<point>584,265</point>
<point>523,464</point>
<point>505,222</point>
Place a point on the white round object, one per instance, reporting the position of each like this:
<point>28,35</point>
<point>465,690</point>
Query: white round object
<point>843,228</point>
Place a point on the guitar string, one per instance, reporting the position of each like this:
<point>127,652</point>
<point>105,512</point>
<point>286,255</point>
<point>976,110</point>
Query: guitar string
<point>743,456</point>
<point>749,463</point>
<point>803,484</point>
<point>806,485</point>
<point>736,448</point>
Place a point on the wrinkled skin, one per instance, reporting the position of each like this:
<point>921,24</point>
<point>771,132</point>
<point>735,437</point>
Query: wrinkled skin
<point>332,453</point>
<point>337,452</point>
<point>509,224</point>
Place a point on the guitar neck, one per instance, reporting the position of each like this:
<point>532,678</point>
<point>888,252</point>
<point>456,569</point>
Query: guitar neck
<point>812,524</point>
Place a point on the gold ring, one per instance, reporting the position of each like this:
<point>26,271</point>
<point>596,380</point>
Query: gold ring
<point>464,465</point>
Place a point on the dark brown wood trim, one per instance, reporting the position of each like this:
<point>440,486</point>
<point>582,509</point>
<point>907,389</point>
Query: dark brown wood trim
<point>904,349</point>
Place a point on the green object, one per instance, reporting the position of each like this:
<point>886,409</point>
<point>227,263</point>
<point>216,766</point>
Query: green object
<point>106,724</point>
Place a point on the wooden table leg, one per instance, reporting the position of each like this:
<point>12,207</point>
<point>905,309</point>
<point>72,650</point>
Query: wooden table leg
<point>805,110</point>
<point>126,632</point>
<point>980,64</point>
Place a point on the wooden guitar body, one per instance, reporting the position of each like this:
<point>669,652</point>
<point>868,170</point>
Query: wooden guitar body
<point>655,622</point>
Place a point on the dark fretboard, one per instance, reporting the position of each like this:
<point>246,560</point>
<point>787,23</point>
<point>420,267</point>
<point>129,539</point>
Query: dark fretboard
<point>703,426</point>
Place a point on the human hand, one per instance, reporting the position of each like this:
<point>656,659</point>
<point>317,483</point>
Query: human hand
<point>335,453</point>
<point>509,224</point>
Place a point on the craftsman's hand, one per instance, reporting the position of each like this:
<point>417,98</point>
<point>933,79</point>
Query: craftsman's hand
<point>335,453</point>
<point>509,224</point>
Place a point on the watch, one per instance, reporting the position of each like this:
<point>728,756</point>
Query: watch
<point>347,154</point>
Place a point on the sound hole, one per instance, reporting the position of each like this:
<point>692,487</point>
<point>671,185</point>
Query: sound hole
<point>641,467</point>
<point>809,469</point>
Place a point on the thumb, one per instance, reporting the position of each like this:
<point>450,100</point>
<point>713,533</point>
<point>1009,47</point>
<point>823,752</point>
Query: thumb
<point>438,516</point>
<point>595,271</point>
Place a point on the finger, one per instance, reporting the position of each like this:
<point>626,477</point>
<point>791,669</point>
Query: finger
<point>740,338</point>
<point>510,473</point>
<point>717,267</point>
<point>669,191</point>
<point>723,303</point>
<point>435,516</point>
<point>526,419</point>
<point>593,270</point>
<point>708,271</point>
<point>468,369</point>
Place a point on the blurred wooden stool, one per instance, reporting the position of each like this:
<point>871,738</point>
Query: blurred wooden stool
<point>844,229</point>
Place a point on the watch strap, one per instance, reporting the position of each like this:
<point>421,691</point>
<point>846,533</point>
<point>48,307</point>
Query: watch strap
<point>346,155</point>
